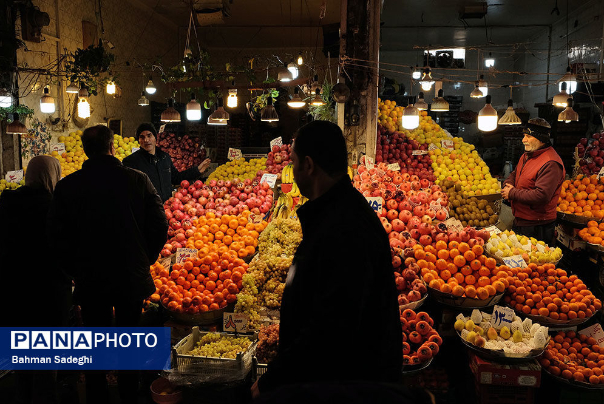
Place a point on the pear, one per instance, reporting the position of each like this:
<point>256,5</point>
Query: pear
<point>470,325</point>
<point>479,341</point>
<point>492,333</point>
<point>472,337</point>
<point>505,333</point>
<point>478,330</point>
<point>517,337</point>
<point>459,325</point>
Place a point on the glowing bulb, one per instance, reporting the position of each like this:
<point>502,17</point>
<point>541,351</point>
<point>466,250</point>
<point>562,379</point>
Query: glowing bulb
<point>83,108</point>
<point>150,89</point>
<point>110,88</point>
<point>232,98</point>
<point>47,103</point>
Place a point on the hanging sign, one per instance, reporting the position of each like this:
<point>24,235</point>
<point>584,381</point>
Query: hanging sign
<point>234,154</point>
<point>234,322</point>
<point>270,179</point>
<point>14,176</point>
<point>394,167</point>
<point>276,142</point>
<point>447,144</point>
<point>376,202</point>
<point>596,332</point>
<point>58,147</point>
<point>503,316</point>
<point>515,261</point>
<point>183,253</point>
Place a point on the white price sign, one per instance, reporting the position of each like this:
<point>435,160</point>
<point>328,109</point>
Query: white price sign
<point>234,322</point>
<point>376,202</point>
<point>419,152</point>
<point>162,128</point>
<point>270,179</point>
<point>601,173</point>
<point>276,142</point>
<point>515,261</point>
<point>453,224</point>
<point>596,332</point>
<point>447,144</point>
<point>235,154</point>
<point>432,146</point>
<point>135,149</point>
<point>502,316</point>
<point>493,230</point>
<point>183,253</point>
<point>58,147</point>
<point>14,176</point>
<point>394,167</point>
<point>368,161</point>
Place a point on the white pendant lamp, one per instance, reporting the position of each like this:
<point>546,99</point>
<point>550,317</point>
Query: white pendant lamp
<point>569,114</point>
<point>560,99</point>
<point>427,81</point>
<point>421,104</point>
<point>284,75</point>
<point>110,89</point>
<point>47,103</point>
<point>300,60</point>
<point>487,117</point>
<point>83,104</point>
<point>439,104</point>
<point>417,73</point>
<point>296,101</point>
<point>170,114</point>
<point>483,86</point>
<point>570,80</point>
<point>143,101</point>
<point>510,117</point>
<point>150,89</point>
<point>293,69</point>
<point>476,93</point>
<point>16,127</point>
<point>269,113</point>
<point>72,89</point>
<point>232,98</point>
<point>193,109</point>
<point>220,114</point>
<point>410,117</point>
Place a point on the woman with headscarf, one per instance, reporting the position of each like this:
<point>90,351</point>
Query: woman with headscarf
<point>36,293</point>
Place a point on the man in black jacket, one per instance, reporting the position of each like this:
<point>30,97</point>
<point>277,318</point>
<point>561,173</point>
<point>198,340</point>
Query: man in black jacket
<point>110,223</point>
<point>158,165</point>
<point>339,314</point>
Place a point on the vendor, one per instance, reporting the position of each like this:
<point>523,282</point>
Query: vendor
<point>534,186</point>
<point>158,165</point>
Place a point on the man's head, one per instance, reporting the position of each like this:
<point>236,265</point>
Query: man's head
<point>319,155</point>
<point>97,141</point>
<point>147,137</point>
<point>536,134</point>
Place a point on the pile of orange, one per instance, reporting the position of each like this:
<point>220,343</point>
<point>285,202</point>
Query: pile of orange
<point>583,196</point>
<point>593,233</point>
<point>574,357</point>
<point>548,291</point>
<point>237,233</point>
<point>459,270</point>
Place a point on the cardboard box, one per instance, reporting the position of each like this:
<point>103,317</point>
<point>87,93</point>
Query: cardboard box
<point>524,375</point>
<point>569,241</point>
<point>493,394</point>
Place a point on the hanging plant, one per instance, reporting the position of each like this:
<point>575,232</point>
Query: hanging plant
<point>6,114</point>
<point>84,66</point>
<point>326,112</point>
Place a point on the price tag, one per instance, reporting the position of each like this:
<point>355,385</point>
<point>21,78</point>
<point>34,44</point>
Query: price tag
<point>276,142</point>
<point>270,179</point>
<point>376,202</point>
<point>502,316</point>
<point>453,224</point>
<point>601,173</point>
<point>14,176</point>
<point>234,322</point>
<point>528,246</point>
<point>493,230</point>
<point>540,248</point>
<point>235,154</point>
<point>596,332</point>
<point>419,152</point>
<point>432,146</point>
<point>394,167</point>
<point>183,253</point>
<point>166,262</point>
<point>135,149</point>
<point>162,128</point>
<point>515,261</point>
<point>254,218</point>
<point>447,144</point>
<point>368,161</point>
<point>58,147</point>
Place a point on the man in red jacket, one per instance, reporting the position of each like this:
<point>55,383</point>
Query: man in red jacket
<point>534,186</point>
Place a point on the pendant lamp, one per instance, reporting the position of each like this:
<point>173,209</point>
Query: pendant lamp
<point>421,104</point>
<point>439,104</point>
<point>143,101</point>
<point>410,117</point>
<point>193,109</point>
<point>570,80</point>
<point>510,117</point>
<point>427,81</point>
<point>232,98</point>
<point>296,101</point>
<point>47,103</point>
<point>16,127</point>
<point>483,86</point>
<point>476,93</point>
<point>170,114</point>
<point>268,113</point>
<point>560,99</point>
<point>569,114</point>
<point>150,89</point>
<point>83,104</point>
<point>220,114</point>
<point>487,117</point>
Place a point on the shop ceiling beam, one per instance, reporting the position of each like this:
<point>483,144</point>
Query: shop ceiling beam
<point>226,85</point>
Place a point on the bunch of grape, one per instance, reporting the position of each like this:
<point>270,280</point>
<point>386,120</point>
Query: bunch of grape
<point>215,345</point>
<point>268,343</point>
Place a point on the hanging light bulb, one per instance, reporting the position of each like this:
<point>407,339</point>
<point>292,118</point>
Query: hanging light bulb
<point>560,99</point>
<point>417,73</point>
<point>232,98</point>
<point>110,89</point>
<point>269,113</point>
<point>315,84</point>
<point>170,114</point>
<point>150,89</point>
<point>300,60</point>
<point>510,117</point>
<point>421,104</point>
<point>83,104</point>
<point>220,114</point>
<point>296,101</point>
<point>439,104</point>
<point>143,101</point>
<point>427,81</point>
<point>16,127</point>
<point>476,93</point>
<point>293,69</point>
<point>483,86</point>
<point>410,117</point>
<point>47,103</point>
<point>193,109</point>
<point>489,62</point>
<point>569,114</point>
<point>284,75</point>
<point>72,89</point>
<point>487,117</point>
<point>318,100</point>
<point>6,99</point>
<point>570,80</point>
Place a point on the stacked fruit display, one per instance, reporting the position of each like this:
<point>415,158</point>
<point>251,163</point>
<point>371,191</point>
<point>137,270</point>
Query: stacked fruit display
<point>549,292</point>
<point>593,233</point>
<point>590,154</point>
<point>181,211</point>
<point>278,158</point>
<point>469,211</point>
<point>421,342</point>
<point>409,284</point>
<point>215,345</point>
<point>185,151</point>
<point>507,243</point>
<point>123,146</point>
<point>575,357</point>
<point>72,158</point>
<point>263,286</point>
<point>583,196</point>
<point>518,340</point>
<point>239,168</point>
<point>5,185</point>
<point>389,115</point>
<point>268,343</point>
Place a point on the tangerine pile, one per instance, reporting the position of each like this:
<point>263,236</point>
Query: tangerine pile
<point>237,233</point>
<point>593,233</point>
<point>548,291</point>
<point>583,196</point>
<point>457,269</point>
<point>574,357</point>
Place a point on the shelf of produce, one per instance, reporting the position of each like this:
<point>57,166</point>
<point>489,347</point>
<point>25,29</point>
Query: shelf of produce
<point>574,220</point>
<point>464,302</point>
<point>554,324</point>
<point>499,355</point>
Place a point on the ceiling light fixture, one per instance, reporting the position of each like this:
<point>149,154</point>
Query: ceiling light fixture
<point>232,100</point>
<point>47,103</point>
<point>569,114</point>
<point>170,114</point>
<point>427,81</point>
<point>143,101</point>
<point>560,99</point>
<point>489,62</point>
<point>487,117</point>
<point>193,109</point>
<point>83,104</point>
<point>16,127</point>
<point>296,101</point>
<point>476,93</point>
<point>439,104</point>
<point>318,100</point>
<point>150,89</point>
<point>410,117</point>
<point>417,73</point>
<point>72,89</point>
<point>510,117</point>
<point>110,89</point>
<point>293,69</point>
<point>269,113</point>
<point>570,80</point>
<point>483,86</point>
<point>284,75</point>
<point>421,104</point>
<point>220,114</point>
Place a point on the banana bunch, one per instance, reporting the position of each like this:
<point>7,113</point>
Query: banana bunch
<point>283,207</point>
<point>350,172</point>
<point>295,192</point>
<point>287,174</point>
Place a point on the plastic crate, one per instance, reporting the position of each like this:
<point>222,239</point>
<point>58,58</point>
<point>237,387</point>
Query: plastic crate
<point>210,369</point>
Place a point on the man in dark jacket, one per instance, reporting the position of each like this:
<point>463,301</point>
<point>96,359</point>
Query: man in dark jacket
<point>339,313</point>
<point>534,186</point>
<point>158,165</point>
<point>109,222</point>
